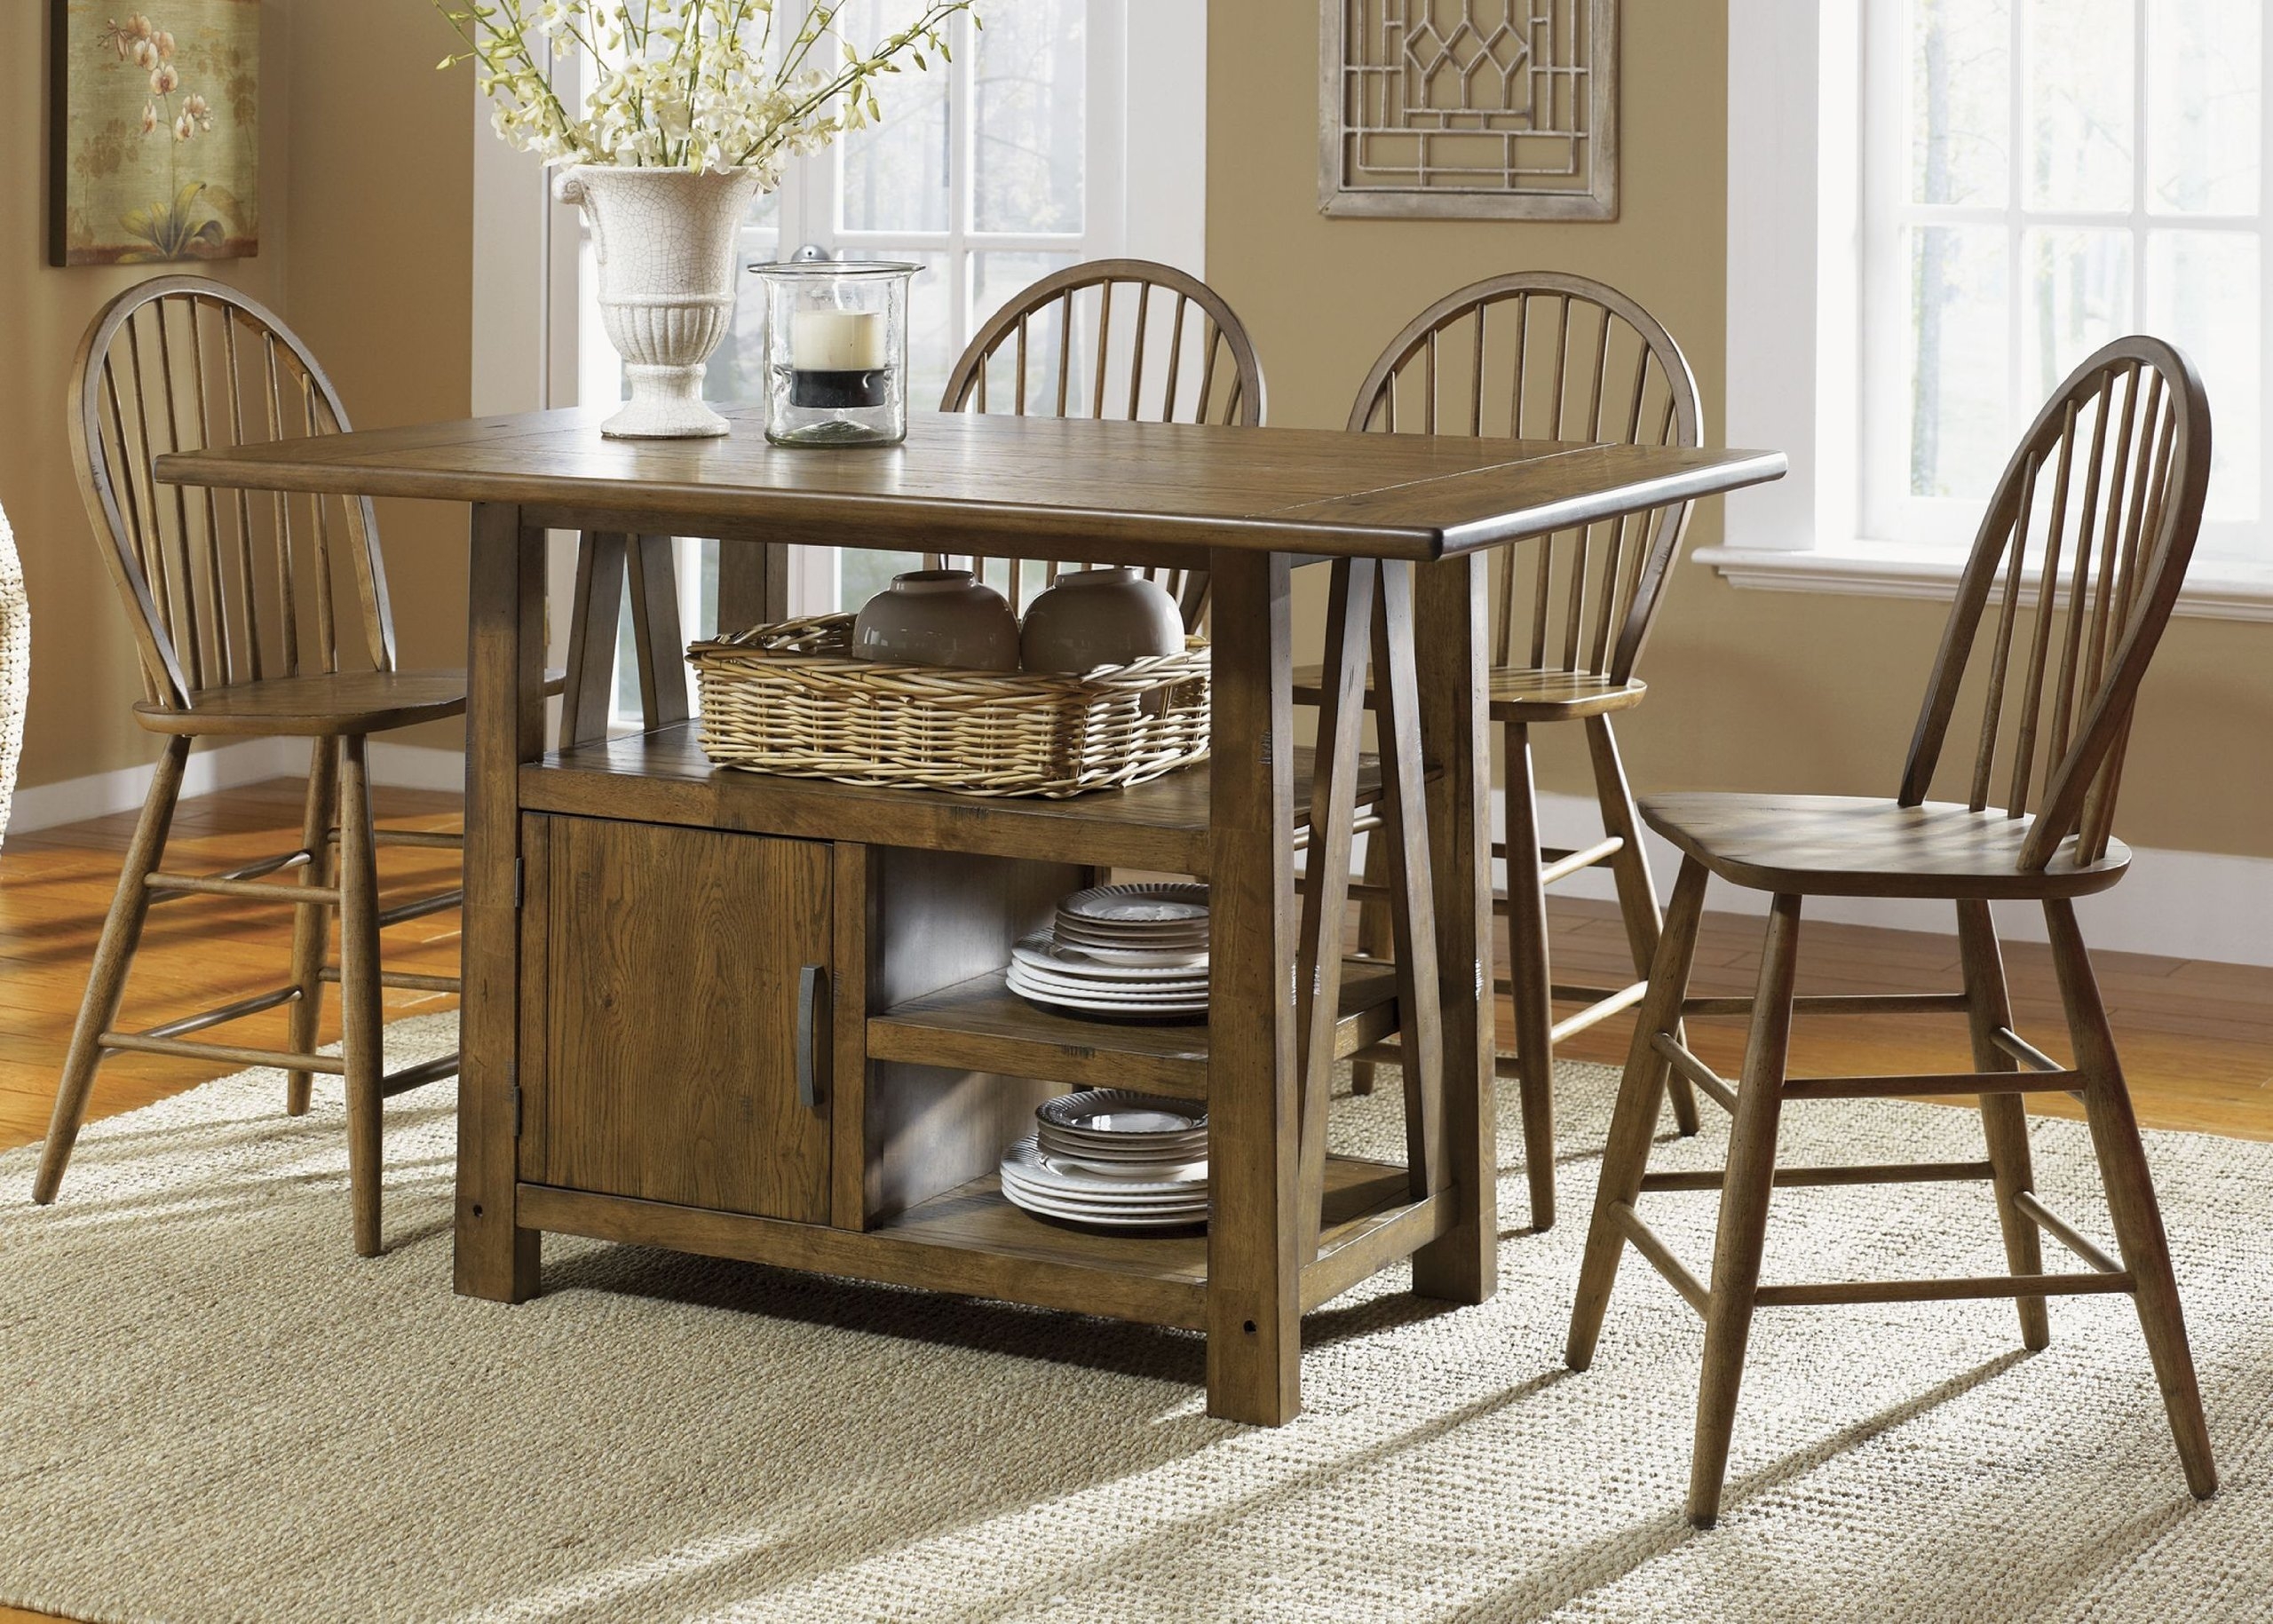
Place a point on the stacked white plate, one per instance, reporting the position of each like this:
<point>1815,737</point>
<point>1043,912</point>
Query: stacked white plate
<point>1113,1159</point>
<point>1134,953</point>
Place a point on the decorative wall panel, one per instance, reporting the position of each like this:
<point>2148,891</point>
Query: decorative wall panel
<point>1487,109</point>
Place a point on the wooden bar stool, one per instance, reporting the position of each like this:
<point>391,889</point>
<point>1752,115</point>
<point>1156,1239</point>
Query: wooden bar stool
<point>1544,356</point>
<point>2109,484</point>
<point>1131,339</point>
<point>236,605</point>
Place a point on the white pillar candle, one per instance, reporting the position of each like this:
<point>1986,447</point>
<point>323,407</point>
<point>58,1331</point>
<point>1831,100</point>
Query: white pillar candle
<point>837,340</point>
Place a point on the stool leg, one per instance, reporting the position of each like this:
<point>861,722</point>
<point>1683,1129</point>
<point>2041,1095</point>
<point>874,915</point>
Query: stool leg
<point>1745,1193</point>
<point>1534,1008</point>
<point>1635,1118</point>
<point>2003,1121</point>
<point>361,1043</point>
<point>1375,934</point>
<point>312,924</point>
<point>1637,897</point>
<point>122,933</point>
<point>2131,1202</point>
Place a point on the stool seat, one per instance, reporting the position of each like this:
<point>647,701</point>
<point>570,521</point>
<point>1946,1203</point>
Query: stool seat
<point>1835,845</point>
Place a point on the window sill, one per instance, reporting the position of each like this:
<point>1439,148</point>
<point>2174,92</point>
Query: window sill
<point>2215,590</point>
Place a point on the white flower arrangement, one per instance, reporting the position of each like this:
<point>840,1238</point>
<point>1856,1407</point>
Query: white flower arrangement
<point>694,84</point>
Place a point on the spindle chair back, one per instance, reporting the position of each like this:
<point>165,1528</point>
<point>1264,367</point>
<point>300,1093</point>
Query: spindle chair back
<point>1543,355</point>
<point>1129,339</point>
<point>1548,357</point>
<point>221,588</point>
<point>2075,571</point>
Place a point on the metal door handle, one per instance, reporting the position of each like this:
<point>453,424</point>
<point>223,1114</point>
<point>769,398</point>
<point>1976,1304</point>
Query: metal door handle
<point>810,993</point>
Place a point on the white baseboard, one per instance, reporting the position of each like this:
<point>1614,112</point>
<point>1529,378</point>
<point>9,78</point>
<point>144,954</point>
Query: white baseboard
<point>251,761</point>
<point>2180,905</point>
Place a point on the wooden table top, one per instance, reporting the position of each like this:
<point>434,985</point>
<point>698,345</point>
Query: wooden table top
<point>966,482</point>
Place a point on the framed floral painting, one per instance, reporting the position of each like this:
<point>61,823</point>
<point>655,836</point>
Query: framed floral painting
<point>154,130</point>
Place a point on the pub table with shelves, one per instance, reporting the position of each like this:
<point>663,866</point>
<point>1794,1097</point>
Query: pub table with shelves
<point>763,1017</point>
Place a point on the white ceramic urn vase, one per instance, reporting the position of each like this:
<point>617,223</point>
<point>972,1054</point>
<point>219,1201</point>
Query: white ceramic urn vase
<point>664,240</point>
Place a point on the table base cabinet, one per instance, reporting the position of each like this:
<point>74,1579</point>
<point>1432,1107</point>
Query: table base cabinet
<point>766,1019</point>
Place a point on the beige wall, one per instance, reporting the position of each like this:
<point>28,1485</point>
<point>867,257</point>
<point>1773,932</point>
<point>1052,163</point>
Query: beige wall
<point>366,247</point>
<point>83,670</point>
<point>1749,689</point>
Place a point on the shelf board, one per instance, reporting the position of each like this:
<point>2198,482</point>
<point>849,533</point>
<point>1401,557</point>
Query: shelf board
<point>973,1241</point>
<point>981,1025</point>
<point>663,777</point>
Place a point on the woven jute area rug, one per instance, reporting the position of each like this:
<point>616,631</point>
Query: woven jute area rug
<point>210,1410</point>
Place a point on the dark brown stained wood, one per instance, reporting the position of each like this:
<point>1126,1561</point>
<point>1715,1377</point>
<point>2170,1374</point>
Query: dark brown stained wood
<point>1450,618</point>
<point>856,950</point>
<point>969,1240</point>
<point>533,1066</point>
<point>982,1025</point>
<point>942,917</point>
<point>672,986</point>
<point>496,1256</point>
<point>1254,1340</point>
<point>1862,846</point>
<point>1083,490</point>
<point>663,777</point>
<point>589,695</point>
<point>657,644</point>
<point>2004,1122</point>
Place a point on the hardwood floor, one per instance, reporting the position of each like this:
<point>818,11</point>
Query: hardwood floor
<point>2196,1037</point>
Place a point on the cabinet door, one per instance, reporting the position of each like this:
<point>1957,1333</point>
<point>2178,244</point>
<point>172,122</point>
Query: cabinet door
<point>674,989</point>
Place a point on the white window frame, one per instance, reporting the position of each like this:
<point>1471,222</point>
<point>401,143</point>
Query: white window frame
<point>1796,103</point>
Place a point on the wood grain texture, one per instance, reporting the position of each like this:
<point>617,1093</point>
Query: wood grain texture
<point>663,777</point>
<point>1078,489</point>
<point>672,986</point>
<point>321,705</point>
<point>1862,846</point>
<point>980,1023</point>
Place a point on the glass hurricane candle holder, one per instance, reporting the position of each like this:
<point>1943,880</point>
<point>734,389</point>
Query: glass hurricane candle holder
<point>835,351</point>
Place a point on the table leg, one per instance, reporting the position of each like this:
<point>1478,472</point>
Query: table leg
<point>1452,616</point>
<point>589,693</point>
<point>753,585</point>
<point>1254,1278</point>
<point>495,1257</point>
<point>657,643</point>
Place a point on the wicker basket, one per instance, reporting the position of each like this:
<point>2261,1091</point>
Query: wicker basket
<point>789,699</point>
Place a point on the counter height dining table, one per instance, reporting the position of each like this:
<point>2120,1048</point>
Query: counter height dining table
<point>645,1057</point>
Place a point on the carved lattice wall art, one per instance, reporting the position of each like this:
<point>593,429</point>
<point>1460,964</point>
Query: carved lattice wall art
<point>1490,110</point>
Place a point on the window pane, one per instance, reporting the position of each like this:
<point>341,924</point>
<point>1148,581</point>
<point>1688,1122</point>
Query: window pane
<point>2202,294</point>
<point>996,279</point>
<point>1959,419</point>
<point>896,173</point>
<point>931,347</point>
<point>737,369</point>
<point>863,572</point>
<point>2075,297</point>
<point>1961,92</point>
<point>2078,122</point>
<point>1029,117</point>
<point>2204,66</point>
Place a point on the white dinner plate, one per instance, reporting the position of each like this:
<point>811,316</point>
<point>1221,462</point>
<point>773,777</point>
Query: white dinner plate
<point>1041,953</point>
<point>1122,1113</point>
<point>1169,903</point>
<point>1022,979</point>
<point>1024,1163</point>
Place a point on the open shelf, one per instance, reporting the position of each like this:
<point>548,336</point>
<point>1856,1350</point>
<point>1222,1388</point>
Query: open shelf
<point>663,777</point>
<point>981,1025</point>
<point>973,1241</point>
